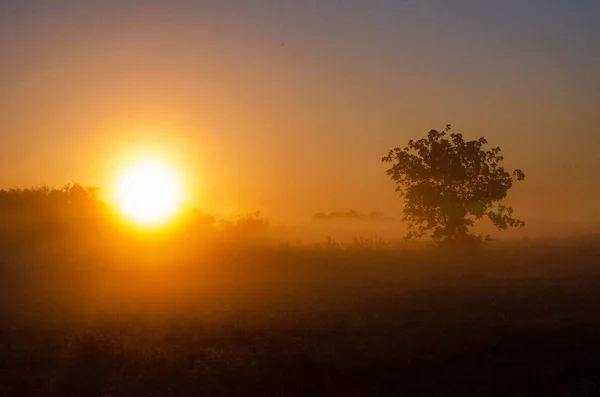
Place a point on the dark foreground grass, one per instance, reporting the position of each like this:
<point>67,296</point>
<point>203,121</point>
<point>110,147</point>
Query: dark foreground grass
<point>517,321</point>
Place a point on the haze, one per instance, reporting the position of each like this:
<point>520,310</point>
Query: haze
<point>286,107</point>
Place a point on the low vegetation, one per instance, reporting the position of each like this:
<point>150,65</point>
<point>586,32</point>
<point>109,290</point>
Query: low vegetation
<point>92,307</point>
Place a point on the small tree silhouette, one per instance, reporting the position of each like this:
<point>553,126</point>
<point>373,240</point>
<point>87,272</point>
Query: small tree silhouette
<point>448,184</point>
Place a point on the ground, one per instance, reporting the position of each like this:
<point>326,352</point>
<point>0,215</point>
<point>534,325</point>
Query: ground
<point>515,321</point>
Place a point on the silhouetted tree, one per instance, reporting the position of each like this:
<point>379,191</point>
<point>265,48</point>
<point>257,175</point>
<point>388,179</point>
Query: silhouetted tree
<point>448,183</point>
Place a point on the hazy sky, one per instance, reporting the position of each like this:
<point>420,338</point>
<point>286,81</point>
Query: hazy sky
<point>288,106</point>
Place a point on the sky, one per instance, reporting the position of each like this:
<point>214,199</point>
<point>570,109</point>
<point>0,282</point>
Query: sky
<point>287,106</point>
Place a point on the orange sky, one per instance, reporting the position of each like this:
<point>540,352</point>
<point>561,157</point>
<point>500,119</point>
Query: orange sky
<point>287,107</point>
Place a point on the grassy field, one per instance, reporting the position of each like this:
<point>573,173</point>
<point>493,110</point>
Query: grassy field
<point>156,320</point>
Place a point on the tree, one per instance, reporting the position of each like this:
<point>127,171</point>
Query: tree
<point>448,184</point>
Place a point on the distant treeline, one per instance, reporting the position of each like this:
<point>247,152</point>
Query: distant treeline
<point>351,215</point>
<point>41,210</point>
<point>76,213</point>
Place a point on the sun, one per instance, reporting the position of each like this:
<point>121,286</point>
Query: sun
<point>148,193</point>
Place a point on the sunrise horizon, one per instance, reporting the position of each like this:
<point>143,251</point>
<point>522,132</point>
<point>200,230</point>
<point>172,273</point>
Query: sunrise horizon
<point>286,108</point>
<point>299,198</point>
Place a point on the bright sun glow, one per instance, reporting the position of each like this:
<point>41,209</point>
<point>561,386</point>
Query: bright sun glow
<point>148,193</point>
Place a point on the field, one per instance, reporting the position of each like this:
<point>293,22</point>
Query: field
<point>152,319</point>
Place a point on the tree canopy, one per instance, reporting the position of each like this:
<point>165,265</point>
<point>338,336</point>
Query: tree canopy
<point>448,184</point>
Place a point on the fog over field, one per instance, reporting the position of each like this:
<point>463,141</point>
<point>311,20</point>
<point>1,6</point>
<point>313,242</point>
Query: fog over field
<point>299,198</point>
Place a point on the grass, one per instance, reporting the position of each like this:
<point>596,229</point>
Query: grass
<point>334,320</point>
